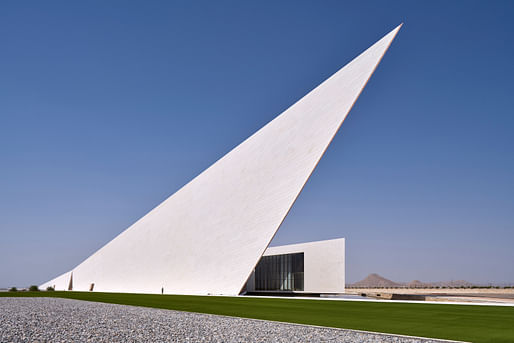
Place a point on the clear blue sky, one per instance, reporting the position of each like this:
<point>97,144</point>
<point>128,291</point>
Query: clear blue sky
<point>107,108</point>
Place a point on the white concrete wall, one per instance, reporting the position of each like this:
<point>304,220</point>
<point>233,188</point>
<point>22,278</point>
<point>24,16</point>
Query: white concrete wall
<point>60,283</point>
<point>324,265</point>
<point>208,236</point>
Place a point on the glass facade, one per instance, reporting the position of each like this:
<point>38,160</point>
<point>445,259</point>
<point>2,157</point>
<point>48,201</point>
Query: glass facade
<point>280,273</point>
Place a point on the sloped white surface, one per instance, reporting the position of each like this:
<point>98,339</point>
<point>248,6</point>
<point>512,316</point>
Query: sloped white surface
<point>60,283</point>
<point>208,236</point>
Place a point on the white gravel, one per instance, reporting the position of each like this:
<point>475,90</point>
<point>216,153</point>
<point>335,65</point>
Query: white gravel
<point>65,320</point>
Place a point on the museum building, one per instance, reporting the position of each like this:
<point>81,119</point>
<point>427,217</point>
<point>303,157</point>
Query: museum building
<point>212,236</point>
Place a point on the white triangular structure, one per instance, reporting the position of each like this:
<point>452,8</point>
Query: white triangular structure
<point>208,236</point>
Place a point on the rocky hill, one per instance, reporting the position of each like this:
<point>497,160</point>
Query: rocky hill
<point>375,280</point>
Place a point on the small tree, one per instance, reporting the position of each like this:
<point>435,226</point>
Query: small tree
<point>50,289</point>
<point>33,288</point>
<point>13,289</point>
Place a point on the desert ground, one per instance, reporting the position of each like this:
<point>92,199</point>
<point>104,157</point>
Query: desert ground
<point>495,295</point>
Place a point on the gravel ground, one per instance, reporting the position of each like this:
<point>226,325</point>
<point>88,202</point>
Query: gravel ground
<point>65,320</point>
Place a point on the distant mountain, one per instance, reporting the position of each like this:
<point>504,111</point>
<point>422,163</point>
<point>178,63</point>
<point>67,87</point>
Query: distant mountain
<point>375,280</point>
<point>416,284</point>
<point>456,283</point>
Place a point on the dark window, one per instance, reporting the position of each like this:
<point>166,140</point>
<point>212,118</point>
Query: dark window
<point>280,273</point>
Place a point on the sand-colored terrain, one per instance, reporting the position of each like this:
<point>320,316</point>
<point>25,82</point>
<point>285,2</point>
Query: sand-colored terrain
<point>402,290</point>
<point>476,295</point>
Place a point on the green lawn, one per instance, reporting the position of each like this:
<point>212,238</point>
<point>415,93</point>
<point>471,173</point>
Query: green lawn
<point>458,322</point>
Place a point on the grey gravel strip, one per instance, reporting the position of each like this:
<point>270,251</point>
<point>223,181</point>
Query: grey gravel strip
<point>66,320</point>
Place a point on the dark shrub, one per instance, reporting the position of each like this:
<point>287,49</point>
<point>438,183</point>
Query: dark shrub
<point>50,289</point>
<point>13,289</point>
<point>33,288</point>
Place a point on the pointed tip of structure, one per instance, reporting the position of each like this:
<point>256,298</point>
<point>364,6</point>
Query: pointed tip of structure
<point>397,28</point>
<point>392,34</point>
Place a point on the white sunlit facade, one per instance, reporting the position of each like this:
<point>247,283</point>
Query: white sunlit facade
<point>314,267</point>
<point>208,237</point>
